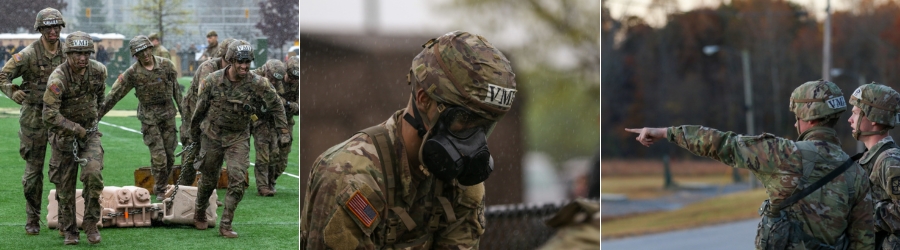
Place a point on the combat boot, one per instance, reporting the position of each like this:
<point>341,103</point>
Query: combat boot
<point>265,191</point>
<point>200,220</point>
<point>225,224</point>
<point>71,238</point>
<point>32,226</point>
<point>93,234</point>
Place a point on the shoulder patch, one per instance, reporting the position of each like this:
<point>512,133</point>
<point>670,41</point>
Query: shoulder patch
<point>54,88</point>
<point>18,57</point>
<point>895,185</point>
<point>360,206</point>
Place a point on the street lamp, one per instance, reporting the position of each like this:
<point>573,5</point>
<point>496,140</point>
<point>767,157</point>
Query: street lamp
<point>748,98</point>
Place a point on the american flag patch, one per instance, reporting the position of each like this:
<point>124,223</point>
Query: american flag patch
<point>360,206</point>
<point>55,89</point>
<point>17,57</point>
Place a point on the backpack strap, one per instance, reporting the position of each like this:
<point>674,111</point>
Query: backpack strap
<point>384,146</point>
<point>819,183</point>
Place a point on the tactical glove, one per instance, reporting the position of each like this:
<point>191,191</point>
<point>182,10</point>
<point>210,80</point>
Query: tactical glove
<point>80,132</point>
<point>18,96</point>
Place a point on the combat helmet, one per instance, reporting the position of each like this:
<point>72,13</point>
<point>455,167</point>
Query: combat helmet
<point>223,48</point>
<point>879,104</point>
<point>239,50</point>
<point>463,69</point>
<point>48,17</point>
<point>276,68</point>
<point>154,36</point>
<point>79,41</point>
<point>293,67</point>
<point>817,100</point>
<point>139,43</point>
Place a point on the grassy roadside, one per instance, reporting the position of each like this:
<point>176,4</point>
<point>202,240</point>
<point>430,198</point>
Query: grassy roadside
<point>726,208</point>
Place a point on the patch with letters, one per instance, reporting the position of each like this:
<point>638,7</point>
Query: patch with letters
<point>360,206</point>
<point>836,103</point>
<point>54,88</point>
<point>499,96</point>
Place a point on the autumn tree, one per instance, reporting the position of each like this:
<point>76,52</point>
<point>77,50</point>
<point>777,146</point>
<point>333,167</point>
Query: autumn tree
<point>162,16</point>
<point>21,14</point>
<point>279,21</point>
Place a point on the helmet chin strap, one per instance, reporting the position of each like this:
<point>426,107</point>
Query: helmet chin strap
<point>859,132</point>
<point>416,122</point>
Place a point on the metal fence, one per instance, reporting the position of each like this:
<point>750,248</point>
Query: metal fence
<point>518,226</point>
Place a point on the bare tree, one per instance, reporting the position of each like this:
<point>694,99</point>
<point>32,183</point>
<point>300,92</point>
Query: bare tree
<point>163,16</point>
<point>279,21</point>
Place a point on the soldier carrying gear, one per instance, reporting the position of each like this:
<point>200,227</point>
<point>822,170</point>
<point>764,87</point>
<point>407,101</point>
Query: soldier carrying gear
<point>230,99</point>
<point>359,195</point>
<point>290,94</point>
<point>818,168</point>
<point>155,84</point>
<point>34,64</point>
<point>73,95</point>
<point>875,112</point>
<point>265,138</point>
<point>188,160</point>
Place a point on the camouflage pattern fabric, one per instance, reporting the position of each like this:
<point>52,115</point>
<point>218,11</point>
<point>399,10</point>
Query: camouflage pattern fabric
<point>32,132</point>
<point>161,51</point>
<point>345,206</point>
<point>222,119</point>
<point>72,102</point>
<point>879,103</point>
<point>210,52</point>
<point>776,162</point>
<point>290,88</point>
<point>885,180</point>
<point>265,139</point>
<point>155,90</point>
<point>578,226</point>
<point>817,100</point>
<point>187,111</point>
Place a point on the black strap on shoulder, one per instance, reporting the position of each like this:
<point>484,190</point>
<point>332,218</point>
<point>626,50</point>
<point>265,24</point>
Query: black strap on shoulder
<point>818,184</point>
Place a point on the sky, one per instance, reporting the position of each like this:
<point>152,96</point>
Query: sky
<point>618,8</point>
<point>396,16</point>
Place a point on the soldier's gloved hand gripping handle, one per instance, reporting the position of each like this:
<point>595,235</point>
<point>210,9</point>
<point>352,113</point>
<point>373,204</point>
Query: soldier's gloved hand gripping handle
<point>647,136</point>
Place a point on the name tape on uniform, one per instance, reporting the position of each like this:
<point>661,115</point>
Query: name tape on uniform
<point>79,43</point>
<point>836,103</point>
<point>500,96</point>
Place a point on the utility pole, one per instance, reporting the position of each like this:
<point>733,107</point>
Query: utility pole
<point>826,46</point>
<point>748,102</point>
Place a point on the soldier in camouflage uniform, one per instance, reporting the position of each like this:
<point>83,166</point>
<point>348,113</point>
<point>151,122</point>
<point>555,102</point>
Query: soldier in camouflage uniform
<point>213,45</point>
<point>842,214</point>
<point>392,185</point>
<point>290,93</point>
<point>231,99</point>
<point>34,64</point>
<point>158,49</point>
<point>73,95</point>
<point>189,157</point>
<point>875,112</point>
<point>156,85</point>
<point>265,138</point>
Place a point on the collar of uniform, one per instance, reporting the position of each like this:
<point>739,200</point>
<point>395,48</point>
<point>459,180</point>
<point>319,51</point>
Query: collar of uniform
<point>46,52</point>
<point>819,133</point>
<point>870,153</point>
<point>156,64</point>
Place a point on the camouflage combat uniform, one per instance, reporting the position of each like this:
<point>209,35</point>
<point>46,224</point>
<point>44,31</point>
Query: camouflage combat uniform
<point>210,52</point>
<point>72,101</point>
<point>161,51</point>
<point>826,213</point>
<point>352,169</point>
<point>577,226</point>
<point>223,114</point>
<point>188,104</point>
<point>34,64</point>
<point>289,90</point>
<point>265,137</point>
<point>155,90</point>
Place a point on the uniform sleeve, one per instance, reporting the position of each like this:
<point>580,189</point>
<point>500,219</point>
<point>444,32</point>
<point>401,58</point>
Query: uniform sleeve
<point>12,70</point>
<point>101,91</point>
<point>466,232</point>
<point>176,87</point>
<point>887,214</point>
<point>325,222</point>
<point>756,153</point>
<point>200,110</point>
<point>52,100</point>
<point>119,89</point>
<point>274,105</point>
<point>861,231</point>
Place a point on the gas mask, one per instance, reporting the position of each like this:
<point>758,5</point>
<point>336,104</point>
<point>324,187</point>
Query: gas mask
<point>454,149</point>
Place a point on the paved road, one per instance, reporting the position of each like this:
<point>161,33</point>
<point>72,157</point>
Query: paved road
<point>737,235</point>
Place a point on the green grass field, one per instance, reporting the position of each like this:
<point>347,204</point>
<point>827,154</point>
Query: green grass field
<point>261,222</point>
